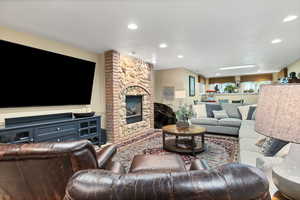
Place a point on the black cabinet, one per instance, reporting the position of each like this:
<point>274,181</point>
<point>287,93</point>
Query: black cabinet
<point>15,136</point>
<point>55,130</point>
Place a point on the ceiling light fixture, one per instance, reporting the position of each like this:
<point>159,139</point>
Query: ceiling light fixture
<point>276,41</point>
<point>163,45</point>
<point>237,67</point>
<point>218,74</point>
<point>180,56</point>
<point>290,18</point>
<point>132,53</point>
<point>132,26</point>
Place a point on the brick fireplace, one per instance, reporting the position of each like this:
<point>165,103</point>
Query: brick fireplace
<point>129,97</point>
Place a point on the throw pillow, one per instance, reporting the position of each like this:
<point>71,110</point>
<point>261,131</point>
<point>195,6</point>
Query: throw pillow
<point>210,107</point>
<point>244,111</point>
<point>251,110</point>
<point>254,115</point>
<point>271,146</point>
<point>220,114</point>
<point>232,110</point>
<point>200,111</point>
<point>284,151</point>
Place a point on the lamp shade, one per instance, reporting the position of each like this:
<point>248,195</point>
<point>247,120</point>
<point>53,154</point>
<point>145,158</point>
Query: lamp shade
<point>180,94</point>
<point>278,112</point>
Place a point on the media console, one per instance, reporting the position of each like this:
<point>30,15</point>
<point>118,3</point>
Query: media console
<point>51,128</point>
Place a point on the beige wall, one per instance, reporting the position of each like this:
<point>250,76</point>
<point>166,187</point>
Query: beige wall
<point>98,95</point>
<point>295,67</point>
<point>177,78</point>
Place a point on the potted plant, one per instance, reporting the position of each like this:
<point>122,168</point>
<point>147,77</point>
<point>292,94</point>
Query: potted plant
<point>183,114</point>
<point>230,88</point>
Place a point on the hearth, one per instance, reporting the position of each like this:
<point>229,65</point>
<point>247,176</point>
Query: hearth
<point>134,108</point>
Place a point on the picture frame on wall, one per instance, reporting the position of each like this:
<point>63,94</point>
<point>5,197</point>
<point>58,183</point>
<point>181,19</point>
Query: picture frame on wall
<point>191,86</point>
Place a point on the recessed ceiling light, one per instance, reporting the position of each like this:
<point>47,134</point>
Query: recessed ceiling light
<point>218,74</point>
<point>276,41</point>
<point>163,45</point>
<point>180,56</point>
<point>132,26</point>
<point>132,53</point>
<point>237,67</point>
<point>290,18</point>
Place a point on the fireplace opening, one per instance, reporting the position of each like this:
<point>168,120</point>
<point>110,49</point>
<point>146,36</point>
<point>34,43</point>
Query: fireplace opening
<point>134,108</point>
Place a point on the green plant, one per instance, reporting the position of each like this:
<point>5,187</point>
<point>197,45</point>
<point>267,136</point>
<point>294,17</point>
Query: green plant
<point>229,88</point>
<point>249,91</point>
<point>184,112</point>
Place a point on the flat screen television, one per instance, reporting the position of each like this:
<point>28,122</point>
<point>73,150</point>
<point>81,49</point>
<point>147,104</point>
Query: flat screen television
<point>34,77</point>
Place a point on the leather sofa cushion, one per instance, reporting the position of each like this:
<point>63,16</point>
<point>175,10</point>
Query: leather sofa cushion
<point>230,122</point>
<point>157,163</point>
<point>205,121</point>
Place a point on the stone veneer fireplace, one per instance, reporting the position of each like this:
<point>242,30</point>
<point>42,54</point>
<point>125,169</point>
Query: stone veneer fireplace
<point>128,83</point>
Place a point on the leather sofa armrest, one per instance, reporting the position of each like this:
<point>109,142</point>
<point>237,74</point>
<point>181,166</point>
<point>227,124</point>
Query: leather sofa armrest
<point>105,155</point>
<point>199,165</point>
<point>229,182</point>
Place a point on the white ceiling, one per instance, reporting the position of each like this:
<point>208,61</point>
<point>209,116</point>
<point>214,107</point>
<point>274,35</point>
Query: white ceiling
<point>209,33</point>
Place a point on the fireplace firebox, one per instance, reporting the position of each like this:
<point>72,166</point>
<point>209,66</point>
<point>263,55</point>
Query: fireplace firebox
<point>134,108</point>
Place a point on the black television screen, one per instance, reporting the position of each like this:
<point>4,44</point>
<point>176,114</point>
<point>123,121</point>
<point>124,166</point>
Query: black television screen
<point>34,77</point>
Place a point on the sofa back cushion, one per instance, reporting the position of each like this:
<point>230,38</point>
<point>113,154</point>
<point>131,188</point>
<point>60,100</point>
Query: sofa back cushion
<point>210,107</point>
<point>251,112</point>
<point>232,110</point>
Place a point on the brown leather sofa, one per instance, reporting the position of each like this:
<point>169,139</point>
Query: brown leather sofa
<point>41,171</point>
<point>229,182</point>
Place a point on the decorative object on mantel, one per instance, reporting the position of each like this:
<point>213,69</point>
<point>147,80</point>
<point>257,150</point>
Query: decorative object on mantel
<point>278,116</point>
<point>183,114</point>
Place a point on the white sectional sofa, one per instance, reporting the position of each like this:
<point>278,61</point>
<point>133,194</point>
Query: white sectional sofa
<point>250,153</point>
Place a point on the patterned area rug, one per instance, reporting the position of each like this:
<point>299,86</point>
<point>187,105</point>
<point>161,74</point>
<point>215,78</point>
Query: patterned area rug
<point>219,149</point>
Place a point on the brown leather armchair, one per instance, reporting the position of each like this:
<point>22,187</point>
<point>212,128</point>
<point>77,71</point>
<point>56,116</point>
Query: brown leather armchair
<point>41,171</point>
<point>229,182</point>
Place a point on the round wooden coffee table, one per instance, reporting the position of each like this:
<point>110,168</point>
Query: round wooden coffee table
<point>184,146</point>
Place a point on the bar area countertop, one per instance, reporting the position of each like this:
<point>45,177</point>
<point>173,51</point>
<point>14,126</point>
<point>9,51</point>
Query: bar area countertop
<point>249,98</point>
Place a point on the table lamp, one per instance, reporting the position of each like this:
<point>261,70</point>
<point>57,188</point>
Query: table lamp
<point>278,116</point>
